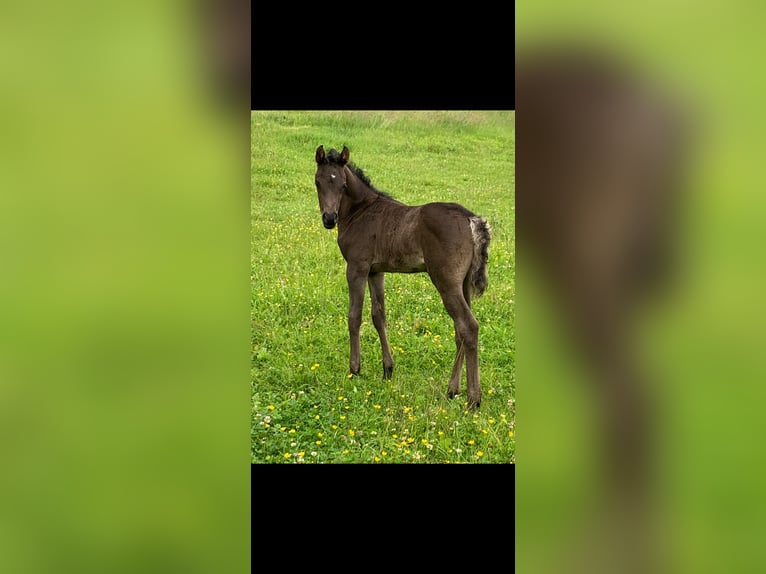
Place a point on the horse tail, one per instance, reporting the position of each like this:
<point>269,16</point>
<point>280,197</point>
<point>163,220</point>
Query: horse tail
<point>481,236</point>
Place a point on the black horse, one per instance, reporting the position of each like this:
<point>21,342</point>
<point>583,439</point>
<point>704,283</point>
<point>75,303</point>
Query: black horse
<point>378,234</point>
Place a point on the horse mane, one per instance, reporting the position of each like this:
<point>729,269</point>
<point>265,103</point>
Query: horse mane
<point>333,156</point>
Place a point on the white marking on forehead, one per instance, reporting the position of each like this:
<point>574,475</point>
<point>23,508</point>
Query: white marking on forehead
<point>332,175</point>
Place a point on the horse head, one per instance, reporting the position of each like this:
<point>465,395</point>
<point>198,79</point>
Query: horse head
<point>330,180</point>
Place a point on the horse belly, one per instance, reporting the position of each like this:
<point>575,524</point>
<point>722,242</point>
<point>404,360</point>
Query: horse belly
<point>410,264</point>
<point>396,243</point>
<point>399,257</point>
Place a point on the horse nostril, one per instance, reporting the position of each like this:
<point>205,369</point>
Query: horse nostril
<point>329,220</point>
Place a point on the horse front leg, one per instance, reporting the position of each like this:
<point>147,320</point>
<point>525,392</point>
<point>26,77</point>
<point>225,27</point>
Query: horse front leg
<point>375,281</point>
<point>356,278</point>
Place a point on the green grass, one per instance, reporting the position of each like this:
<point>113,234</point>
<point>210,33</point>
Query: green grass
<point>305,407</point>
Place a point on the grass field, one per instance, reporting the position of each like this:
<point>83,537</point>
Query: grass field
<point>305,406</point>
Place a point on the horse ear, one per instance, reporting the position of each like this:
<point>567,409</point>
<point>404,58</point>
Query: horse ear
<point>320,154</point>
<point>344,154</point>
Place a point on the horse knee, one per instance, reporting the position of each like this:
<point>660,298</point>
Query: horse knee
<point>354,321</point>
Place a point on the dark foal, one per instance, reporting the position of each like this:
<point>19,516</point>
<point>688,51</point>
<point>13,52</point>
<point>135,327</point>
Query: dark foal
<point>378,234</point>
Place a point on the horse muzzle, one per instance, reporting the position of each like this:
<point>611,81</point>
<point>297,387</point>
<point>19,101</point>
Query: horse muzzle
<point>329,220</point>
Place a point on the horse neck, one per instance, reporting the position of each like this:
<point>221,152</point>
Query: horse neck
<point>356,190</point>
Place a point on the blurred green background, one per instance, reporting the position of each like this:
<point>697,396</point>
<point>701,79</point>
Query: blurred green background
<point>123,294</point>
<point>704,344</point>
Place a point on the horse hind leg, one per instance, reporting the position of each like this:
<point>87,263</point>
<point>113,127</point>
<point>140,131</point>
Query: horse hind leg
<point>466,343</point>
<point>457,368</point>
<point>454,382</point>
<point>375,281</point>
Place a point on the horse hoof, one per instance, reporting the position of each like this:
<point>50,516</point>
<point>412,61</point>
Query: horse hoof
<point>388,372</point>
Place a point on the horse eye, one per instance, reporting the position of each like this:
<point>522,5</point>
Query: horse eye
<point>316,182</point>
